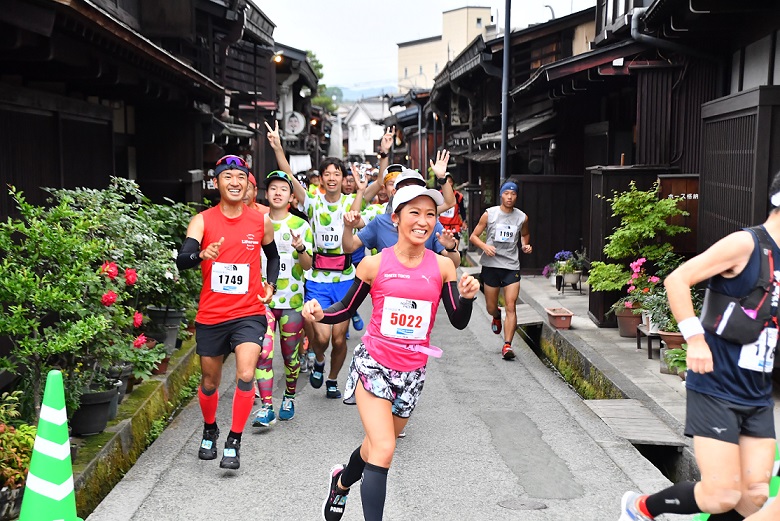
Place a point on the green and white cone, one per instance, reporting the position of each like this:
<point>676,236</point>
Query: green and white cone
<point>49,493</point>
<point>774,485</point>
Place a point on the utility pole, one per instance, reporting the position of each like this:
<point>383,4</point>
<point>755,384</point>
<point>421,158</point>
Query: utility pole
<point>505,96</point>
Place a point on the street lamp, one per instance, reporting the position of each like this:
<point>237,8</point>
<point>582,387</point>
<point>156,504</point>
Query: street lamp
<point>551,11</point>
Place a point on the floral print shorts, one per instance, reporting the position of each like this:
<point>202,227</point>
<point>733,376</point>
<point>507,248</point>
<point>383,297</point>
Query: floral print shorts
<point>401,388</point>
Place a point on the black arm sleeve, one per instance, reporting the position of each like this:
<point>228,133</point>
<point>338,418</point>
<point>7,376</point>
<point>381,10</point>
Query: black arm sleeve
<point>458,308</point>
<point>272,262</point>
<point>341,311</point>
<point>189,254</point>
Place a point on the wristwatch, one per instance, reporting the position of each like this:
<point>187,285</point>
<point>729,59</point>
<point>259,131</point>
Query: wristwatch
<point>382,154</point>
<point>273,285</point>
<point>301,250</point>
<point>453,250</point>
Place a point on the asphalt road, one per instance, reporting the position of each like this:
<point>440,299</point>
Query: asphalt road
<point>489,440</point>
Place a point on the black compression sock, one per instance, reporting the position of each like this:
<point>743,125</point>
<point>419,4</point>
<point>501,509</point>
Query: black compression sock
<point>731,515</point>
<point>373,491</point>
<point>677,499</point>
<point>354,469</point>
<point>235,435</point>
<point>210,426</point>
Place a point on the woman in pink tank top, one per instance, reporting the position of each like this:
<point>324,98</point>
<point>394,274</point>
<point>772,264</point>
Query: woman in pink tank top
<point>406,283</point>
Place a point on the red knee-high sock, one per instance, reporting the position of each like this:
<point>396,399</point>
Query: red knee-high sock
<point>242,407</point>
<point>208,405</point>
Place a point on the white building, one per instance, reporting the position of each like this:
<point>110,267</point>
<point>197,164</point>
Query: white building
<point>364,122</point>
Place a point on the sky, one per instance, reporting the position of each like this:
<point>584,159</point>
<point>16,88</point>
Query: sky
<point>356,40</point>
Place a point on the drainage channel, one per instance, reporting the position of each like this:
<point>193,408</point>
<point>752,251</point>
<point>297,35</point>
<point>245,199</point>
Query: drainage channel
<point>672,461</point>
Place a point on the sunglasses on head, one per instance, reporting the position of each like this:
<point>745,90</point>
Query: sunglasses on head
<point>232,161</point>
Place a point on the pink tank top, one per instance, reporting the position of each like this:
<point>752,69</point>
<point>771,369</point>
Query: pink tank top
<point>405,302</point>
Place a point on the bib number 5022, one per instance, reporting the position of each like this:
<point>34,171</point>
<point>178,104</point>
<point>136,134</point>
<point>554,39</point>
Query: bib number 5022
<point>400,319</point>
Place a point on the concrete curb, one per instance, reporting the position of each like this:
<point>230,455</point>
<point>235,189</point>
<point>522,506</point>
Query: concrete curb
<point>104,459</point>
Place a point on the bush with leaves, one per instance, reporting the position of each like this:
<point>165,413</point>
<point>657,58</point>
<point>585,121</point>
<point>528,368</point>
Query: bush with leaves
<point>644,218</point>
<point>16,442</point>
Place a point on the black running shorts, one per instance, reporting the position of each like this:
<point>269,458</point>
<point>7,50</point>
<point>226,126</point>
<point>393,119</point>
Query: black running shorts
<point>711,417</point>
<point>499,277</point>
<point>221,339</point>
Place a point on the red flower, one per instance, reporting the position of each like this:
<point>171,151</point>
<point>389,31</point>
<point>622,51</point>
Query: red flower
<point>110,269</point>
<point>130,276</point>
<point>138,319</point>
<point>140,341</point>
<point>109,297</point>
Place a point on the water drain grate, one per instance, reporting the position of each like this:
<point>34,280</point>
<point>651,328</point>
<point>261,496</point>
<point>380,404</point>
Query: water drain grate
<point>522,504</point>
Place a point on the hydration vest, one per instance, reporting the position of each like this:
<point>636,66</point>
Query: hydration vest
<point>741,320</point>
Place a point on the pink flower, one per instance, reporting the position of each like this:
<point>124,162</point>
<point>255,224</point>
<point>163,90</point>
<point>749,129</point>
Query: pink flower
<point>131,276</point>
<point>110,269</point>
<point>138,319</point>
<point>628,304</point>
<point>140,341</point>
<point>109,297</point>
<point>654,279</point>
<point>631,288</point>
<point>634,276</point>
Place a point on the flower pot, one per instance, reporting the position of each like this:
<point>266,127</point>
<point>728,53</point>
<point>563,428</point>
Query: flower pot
<point>162,366</point>
<point>665,369</point>
<point>672,340</point>
<point>92,415</point>
<point>122,374</point>
<point>559,318</point>
<point>113,406</point>
<point>627,321</point>
<point>10,502</point>
<point>132,382</point>
<point>167,316</point>
<point>552,280</point>
<point>571,278</point>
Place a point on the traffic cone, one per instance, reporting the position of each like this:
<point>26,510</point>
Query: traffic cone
<point>49,493</point>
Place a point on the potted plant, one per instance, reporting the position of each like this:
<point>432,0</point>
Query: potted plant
<point>582,264</point>
<point>559,318</point>
<point>644,218</point>
<point>16,446</point>
<point>661,314</point>
<point>676,360</point>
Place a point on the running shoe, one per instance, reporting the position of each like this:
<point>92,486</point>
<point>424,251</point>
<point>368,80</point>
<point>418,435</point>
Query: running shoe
<point>402,434</point>
<point>207,449</point>
<point>347,334</point>
<point>332,390</point>
<point>317,375</point>
<point>287,411</point>
<point>628,509</point>
<point>303,364</point>
<point>310,359</point>
<point>264,416</point>
<point>495,326</point>
<point>333,507</point>
<point>357,322</point>
<point>507,352</point>
<point>230,457</point>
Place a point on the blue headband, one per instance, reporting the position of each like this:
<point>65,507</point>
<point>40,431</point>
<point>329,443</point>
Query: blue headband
<point>509,185</point>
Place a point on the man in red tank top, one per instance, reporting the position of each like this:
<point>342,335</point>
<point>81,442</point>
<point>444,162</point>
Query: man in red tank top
<point>231,314</point>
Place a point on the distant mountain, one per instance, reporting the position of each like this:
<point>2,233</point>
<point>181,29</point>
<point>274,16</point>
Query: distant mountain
<point>356,94</point>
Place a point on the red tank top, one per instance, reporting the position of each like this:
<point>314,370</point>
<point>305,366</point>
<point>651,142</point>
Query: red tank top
<point>232,283</point>
<point>451,218</point>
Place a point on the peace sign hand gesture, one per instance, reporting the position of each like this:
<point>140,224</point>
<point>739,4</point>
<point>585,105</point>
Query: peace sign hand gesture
<point>273,135</point>
<point>386,143</point>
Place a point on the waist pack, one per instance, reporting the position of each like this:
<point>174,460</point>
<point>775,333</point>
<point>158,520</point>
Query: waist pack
<point>332,261</point>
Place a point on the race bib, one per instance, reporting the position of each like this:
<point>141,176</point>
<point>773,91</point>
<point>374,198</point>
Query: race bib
<point>329,238</point>
<point>232,279</point>
<point>406,319</point>
<point>285,265</point>
<point>760,355</point>
<point>448,213</point>
<point>505,233</point>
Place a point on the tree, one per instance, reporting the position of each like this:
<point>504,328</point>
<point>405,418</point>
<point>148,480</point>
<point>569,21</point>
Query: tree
<point>324,95</point>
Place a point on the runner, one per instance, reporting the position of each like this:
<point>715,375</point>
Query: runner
<point>506,227</point>
<point>728,385</point>
<point>250,199</point>
<point>348,187</point>
<point>380,233</point>
<point>454,219</point>
<point>231,313</point>
<point>388,369</point>
<point>293,239</point>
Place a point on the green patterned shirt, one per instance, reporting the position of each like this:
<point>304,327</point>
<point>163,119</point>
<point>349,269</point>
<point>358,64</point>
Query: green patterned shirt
<point>289,285</point>
<point>327,224</point>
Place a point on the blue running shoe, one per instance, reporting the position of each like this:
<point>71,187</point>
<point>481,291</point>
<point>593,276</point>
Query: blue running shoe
<point>629,510</point>
<point>317,376</point>
<point>332,390</point>
<point>287,411</point>
<point>264,416</point>
<point>357,322</point>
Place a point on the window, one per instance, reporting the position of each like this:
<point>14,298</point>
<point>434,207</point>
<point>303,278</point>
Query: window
<point>406,72</point>
<point>479,22</point>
